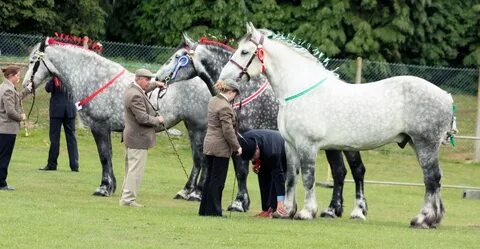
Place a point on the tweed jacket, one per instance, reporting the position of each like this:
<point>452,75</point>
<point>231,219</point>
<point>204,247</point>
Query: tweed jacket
<point>10,107</point>
<point>220,140</point>
<point>140,120</point>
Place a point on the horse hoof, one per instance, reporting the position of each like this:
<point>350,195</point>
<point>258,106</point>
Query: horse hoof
<point>194,197</point>
<point>422,222</point>
<point>358,214</point>
<point>101,191</point>
<point>236,207</point>
<point>328,213</point>
<point>304,215</point>
<point>181,195</point>
<point>357,217</point>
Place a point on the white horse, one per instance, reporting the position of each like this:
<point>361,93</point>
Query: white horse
<point>320,111</point>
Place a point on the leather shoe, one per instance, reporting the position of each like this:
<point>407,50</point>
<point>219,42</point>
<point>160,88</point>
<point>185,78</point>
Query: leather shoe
<point>47,168</point>
<point>75,170</point>
<point>133,204</point>
<point>7,188</point>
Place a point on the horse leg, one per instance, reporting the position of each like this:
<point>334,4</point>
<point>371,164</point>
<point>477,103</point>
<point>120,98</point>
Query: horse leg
<point>291,179</point>
<point>242,201</point>
<point>104,146</point>
<point>335,160</point>
<point>433,210</point>
<point>308,154</point>
<point>199,166</point>
<point>358,172</point>
<point>185,193</point>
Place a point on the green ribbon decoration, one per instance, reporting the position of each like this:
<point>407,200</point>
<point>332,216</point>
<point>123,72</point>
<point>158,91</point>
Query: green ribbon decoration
<point>305,91</point>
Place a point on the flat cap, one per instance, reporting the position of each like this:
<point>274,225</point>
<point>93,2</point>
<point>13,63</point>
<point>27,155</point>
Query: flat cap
<point>144,73</point>
<point>232,84</point>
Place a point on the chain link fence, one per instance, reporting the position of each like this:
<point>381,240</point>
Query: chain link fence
<point>462,83</point>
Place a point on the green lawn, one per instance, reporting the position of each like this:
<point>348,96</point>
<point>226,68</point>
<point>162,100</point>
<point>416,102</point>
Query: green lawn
<point>57,210</point>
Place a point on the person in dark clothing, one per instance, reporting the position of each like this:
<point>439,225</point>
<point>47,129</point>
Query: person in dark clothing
<point>62,112</point>
<point>266,149</point>
<point>218,146</point>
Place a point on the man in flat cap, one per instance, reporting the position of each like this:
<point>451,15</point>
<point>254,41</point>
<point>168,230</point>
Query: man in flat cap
<point>266,149</point>
<point>138,134</point>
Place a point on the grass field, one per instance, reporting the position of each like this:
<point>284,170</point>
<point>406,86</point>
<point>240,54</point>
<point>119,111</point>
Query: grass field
<point>56,209</point>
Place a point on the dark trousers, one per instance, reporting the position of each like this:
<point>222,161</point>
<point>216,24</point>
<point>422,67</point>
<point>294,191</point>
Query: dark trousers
<point>7,142</point>
<point>217,168</point>
<point>271,181</point>
<point>267,192</point>
<point>69,128</point>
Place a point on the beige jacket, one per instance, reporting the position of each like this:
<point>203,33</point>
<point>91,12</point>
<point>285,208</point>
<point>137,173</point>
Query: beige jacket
<point>140,120</point>
<point>10,108</point>
<point>221,140</point>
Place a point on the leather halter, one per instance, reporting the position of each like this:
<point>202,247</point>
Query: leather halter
<point>258,53</point>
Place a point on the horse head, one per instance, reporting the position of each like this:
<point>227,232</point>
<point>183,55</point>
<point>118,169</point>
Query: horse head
<point>189,61</point>
<point>180,66</point>
<point>39,67</point>
<point>249,58</point>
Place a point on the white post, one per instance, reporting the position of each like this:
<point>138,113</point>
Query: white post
<point>476,157</point>
<point>358,71</point>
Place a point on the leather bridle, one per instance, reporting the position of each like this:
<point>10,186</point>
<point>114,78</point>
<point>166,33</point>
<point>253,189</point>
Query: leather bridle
<point>259,53</point>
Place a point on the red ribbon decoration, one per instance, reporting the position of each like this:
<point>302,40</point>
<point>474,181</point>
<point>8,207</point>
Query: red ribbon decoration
<point>82,102</point>
<point>261,55</point>
<point>57,82</point>
<point>253,96</point>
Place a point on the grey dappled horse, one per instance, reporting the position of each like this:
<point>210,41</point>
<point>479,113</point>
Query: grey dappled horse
<point>206,60</point>
<point>320,111</point>
<point>83,72</point>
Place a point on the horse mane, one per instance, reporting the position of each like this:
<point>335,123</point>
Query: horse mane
<point>206,41</point>
<point>62,39</point>
<point>296,44</point>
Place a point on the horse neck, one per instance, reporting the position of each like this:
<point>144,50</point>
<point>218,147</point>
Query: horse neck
<point>213,63</point>
<point>290,72</point>
<point>81,70</point>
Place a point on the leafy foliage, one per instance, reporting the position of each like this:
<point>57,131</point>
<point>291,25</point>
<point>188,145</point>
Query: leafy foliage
<point>82,17</point>
<point>440,32</point>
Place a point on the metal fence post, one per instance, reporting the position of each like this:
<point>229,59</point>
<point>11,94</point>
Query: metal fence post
<point>477,132</point>
<point>358,71</point>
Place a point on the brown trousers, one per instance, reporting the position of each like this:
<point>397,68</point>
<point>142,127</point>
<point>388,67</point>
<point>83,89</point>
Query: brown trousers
<point>135,161</point>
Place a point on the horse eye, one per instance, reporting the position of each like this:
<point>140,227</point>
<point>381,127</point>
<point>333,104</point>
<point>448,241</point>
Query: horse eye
<point>244,52</point>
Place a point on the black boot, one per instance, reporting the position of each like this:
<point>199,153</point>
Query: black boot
<point>47,168</point>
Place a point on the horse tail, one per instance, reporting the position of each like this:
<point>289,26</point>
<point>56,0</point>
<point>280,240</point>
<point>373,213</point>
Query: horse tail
<point>450,136</point>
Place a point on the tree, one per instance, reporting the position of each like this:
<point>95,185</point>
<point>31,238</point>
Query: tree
<point>121,22</point>
<point>82,17</point>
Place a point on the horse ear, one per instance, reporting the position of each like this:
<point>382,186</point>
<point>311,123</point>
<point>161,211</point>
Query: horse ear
<point>250,28</point>
<point>43,45</point>
<point>188,41</point>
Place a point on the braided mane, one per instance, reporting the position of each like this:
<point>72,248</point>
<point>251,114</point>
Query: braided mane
<point>206,41</point>
<point>298,45</point>
<point>62,39</point>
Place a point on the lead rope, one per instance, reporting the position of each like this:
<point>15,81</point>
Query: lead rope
<point>175,150</point>
<point>235,174</point>
<point>168,135</point>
